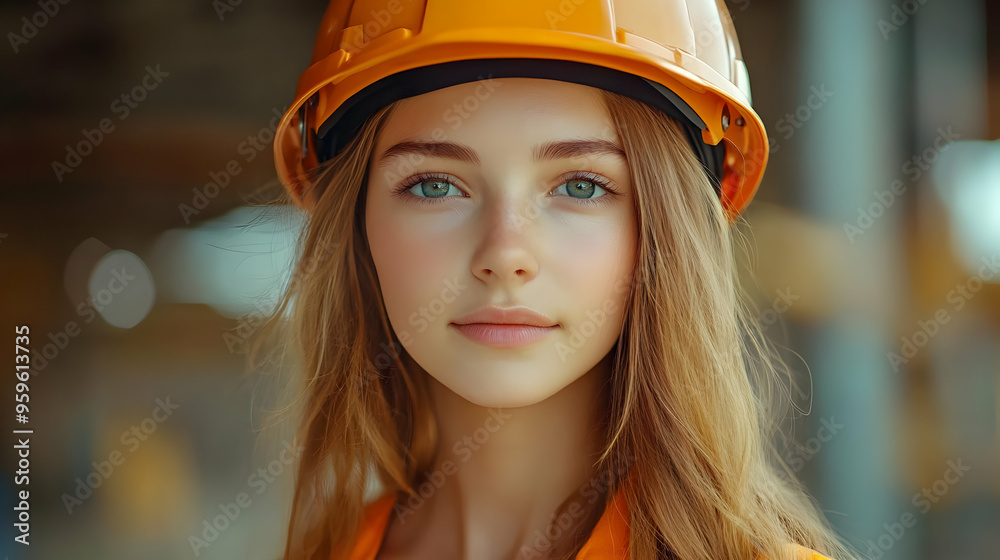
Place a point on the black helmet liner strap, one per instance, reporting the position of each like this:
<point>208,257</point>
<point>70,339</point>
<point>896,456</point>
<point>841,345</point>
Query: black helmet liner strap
<point>343,124</point>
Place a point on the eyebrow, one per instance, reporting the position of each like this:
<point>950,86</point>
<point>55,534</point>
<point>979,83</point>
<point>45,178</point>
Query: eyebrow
<point>562,149</point>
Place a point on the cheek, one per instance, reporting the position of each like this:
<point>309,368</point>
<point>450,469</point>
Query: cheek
<point>598,265</point>
<point>412,267</point>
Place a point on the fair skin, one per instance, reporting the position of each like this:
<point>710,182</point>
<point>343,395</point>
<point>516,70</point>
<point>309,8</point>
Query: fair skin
<point>508,230</point>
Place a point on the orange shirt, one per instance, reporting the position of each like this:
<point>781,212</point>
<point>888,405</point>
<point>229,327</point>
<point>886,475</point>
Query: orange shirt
<point>608,541</point>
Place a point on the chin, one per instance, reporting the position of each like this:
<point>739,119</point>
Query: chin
<point>503,387</point>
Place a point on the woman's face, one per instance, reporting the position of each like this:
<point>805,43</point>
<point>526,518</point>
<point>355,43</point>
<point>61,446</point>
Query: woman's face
<point>502,196</point>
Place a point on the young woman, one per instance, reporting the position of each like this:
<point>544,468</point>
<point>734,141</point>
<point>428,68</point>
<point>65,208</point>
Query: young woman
<point>516,306</point>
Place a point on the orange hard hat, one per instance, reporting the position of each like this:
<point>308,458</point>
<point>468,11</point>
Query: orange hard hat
<point>681,56</point>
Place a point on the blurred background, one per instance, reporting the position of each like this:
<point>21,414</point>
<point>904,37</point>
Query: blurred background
<point>135,138</point>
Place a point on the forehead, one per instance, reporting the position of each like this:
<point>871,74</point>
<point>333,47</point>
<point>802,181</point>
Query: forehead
<point>499,111</point>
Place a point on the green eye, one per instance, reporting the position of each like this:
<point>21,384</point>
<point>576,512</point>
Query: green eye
<point>586,188</point>
<point>582,188</point>
<point>424,187</point>
<point>432,189</point>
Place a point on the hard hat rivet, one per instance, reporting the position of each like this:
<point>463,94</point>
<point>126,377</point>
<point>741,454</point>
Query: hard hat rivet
<point>740,121</point>
<point>302,131</point>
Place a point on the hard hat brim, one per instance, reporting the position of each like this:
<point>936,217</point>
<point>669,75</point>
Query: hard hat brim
<point>722,106</point>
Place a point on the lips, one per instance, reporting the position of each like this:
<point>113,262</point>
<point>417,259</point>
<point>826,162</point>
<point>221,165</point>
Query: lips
<point>504,336</point>
<point>506,316</point>
<point>505,327</point>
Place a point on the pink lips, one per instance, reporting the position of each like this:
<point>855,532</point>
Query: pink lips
<point>504,336</point>
<point>505,327</point>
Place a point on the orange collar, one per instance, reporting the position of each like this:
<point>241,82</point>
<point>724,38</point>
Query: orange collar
<point>608,540</point>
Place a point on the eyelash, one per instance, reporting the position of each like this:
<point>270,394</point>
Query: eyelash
<point>401,191</point>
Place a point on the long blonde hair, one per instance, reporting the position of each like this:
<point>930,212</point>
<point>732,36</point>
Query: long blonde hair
<point>691,402</point>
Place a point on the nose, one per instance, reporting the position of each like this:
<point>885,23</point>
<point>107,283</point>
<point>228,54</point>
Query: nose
<point>506,251</point>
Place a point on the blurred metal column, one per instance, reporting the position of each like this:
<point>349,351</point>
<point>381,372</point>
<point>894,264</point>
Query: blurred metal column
<point>853,149</point>
<point>951,71</point>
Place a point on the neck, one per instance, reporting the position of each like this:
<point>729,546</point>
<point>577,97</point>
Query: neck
<point>500,474</point>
